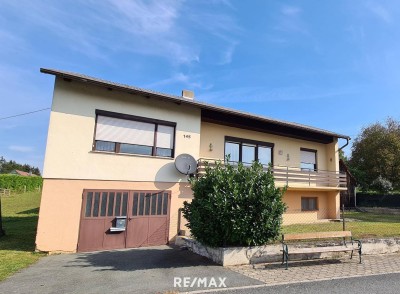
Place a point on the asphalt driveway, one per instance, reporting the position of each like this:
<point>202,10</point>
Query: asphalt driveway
<point>142,270</point>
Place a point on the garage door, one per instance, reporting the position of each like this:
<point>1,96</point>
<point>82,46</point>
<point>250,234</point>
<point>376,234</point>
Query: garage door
<point>115,219</point>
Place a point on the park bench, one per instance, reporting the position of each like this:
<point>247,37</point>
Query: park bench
<point>347,244</point>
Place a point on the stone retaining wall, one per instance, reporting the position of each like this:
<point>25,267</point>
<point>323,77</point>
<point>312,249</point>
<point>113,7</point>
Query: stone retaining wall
<point>271,253</point>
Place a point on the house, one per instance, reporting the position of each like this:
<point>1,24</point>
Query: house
<point>22,173</point>
<point>110,179</point>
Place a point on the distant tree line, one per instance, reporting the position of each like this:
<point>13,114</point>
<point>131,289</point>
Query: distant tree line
<point>7,166</point>
<point>375,157</point>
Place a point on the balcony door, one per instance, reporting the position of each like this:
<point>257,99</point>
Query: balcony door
<point>247,151</point>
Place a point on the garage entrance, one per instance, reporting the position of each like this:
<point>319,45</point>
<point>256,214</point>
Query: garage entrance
<point>115,219</point>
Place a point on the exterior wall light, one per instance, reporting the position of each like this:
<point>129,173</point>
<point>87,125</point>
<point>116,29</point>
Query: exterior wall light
<point>210,147</point>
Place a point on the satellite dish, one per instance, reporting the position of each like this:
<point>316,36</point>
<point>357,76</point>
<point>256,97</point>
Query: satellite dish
<point>186,164</point>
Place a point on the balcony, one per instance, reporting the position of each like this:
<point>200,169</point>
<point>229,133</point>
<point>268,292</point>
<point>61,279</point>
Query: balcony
<point>294,177</point>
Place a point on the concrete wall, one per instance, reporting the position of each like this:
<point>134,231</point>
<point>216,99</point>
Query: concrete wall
<point>61,202</point>
<point>230,256</point>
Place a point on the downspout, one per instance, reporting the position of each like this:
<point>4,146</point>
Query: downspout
<point>347,143</point>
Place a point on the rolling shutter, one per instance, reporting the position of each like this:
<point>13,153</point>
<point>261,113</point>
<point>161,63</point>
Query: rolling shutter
<point>124,131</point>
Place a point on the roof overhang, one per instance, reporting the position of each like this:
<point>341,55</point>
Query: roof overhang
<point>213,113</point>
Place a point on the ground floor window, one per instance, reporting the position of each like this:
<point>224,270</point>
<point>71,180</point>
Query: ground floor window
<point>309,203</point>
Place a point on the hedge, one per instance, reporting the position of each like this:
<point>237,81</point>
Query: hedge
<point>378,200</point>
<point>19,184</point>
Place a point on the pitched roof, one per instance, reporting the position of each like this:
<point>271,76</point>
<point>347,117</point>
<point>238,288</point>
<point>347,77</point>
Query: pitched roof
<point>23,173</point>
<point>211,108</point>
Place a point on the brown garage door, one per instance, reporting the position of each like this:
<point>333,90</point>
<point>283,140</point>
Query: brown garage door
<point>143,218</point>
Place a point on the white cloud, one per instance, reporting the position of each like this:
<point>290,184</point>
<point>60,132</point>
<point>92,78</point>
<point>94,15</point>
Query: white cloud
<point>181,78</point>
<point>227,55</point>
<point>291,10</point>
<point>23,149</point>
<point>290,20</point>
<point>379,11</point>
<point>262,95</point>
<point>103,28</point>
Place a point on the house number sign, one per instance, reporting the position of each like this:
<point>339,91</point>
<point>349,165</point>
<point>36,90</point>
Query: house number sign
<point>187,136</point>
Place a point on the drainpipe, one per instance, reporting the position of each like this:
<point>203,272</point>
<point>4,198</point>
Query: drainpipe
<point>347,143</point>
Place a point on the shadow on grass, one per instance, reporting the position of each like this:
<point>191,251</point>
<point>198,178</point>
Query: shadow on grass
<point>20,233</point>
<point>30,211</point>
<point>140,259</point>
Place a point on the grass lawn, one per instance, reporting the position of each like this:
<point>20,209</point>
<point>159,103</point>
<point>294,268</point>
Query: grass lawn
<point>361,224</point>
<point>20,216</point>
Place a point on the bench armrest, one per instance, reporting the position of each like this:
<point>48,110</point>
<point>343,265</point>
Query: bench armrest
<point>359,242</point>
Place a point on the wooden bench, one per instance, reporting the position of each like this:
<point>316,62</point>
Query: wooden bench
<point>351,244</point>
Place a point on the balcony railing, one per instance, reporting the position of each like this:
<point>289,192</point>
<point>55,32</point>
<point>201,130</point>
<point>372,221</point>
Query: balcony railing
<point>292,176</point>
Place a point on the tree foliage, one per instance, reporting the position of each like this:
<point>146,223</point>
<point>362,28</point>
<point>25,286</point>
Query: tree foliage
<point>376,154</point>
<point>7,166</point>
<point>235,206</point>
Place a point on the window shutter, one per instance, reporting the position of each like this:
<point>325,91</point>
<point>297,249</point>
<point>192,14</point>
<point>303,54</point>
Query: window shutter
<point>308,157</point>
<point>124,131</point>
<point>165,137</point>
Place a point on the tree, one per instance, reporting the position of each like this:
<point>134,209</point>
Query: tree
<point>235,206</point>
<point>376,154</point>
<point>8,166</point>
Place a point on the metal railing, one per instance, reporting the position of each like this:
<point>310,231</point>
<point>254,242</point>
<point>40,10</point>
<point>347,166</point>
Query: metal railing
<point>291,176</point>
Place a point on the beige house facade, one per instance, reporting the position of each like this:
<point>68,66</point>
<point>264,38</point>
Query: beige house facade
<point>110,179</point>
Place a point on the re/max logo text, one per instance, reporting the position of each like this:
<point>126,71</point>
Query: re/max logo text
<point>196,282</point>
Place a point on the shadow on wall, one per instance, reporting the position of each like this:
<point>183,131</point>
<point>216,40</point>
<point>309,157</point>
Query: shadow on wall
<point>169,170</point>
<point>140,259</point>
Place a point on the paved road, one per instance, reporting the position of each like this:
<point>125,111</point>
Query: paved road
<point>143,270</point>
<point>387,284</point>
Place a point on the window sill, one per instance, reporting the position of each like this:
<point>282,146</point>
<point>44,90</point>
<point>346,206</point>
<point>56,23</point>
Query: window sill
<point>315,210</point>
<point>128,154</point>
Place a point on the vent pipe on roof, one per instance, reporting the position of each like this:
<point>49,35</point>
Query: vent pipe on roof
<point>188,94</point>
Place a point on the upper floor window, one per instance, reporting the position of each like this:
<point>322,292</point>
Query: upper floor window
<point>247,151</point>
<point>308,159</point>
<point>133,135</point>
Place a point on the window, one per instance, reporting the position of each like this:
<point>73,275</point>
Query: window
<point>247,151</point>
<point>309,204</point>
<point>121,133</point>
<point>308,159</point>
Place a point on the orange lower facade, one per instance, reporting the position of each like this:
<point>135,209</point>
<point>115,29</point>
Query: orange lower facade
<point>61,208</point>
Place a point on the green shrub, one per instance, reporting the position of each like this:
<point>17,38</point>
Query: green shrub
<point>19,184</point>
<point>382,185</point>
<point>235,206</point>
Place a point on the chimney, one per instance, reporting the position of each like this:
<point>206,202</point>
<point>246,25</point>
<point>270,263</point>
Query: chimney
<point>188,94</point>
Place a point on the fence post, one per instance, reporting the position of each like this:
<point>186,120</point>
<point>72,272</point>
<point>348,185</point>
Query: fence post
<point>344,220</point>
<point>2,233</point>
<point>25,189</point>
<point>355,196</point>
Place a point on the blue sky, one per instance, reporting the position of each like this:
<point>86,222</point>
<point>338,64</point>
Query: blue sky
<point>329,64</point>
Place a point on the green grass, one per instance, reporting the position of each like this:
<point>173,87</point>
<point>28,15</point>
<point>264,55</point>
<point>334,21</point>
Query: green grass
<point>361,224</point>
<point>17,247</point>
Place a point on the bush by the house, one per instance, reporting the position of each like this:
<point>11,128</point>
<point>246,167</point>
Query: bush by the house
<point>235,206</point>
<point>20,184</point>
